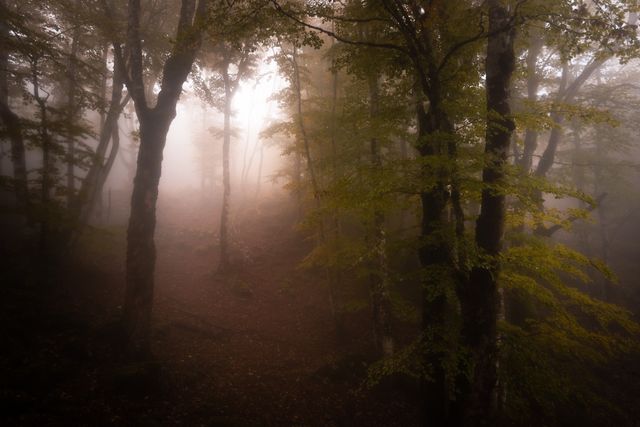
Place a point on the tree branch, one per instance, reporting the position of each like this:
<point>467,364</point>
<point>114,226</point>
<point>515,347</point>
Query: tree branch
<point>188,41</point>
<point>550,231</point>
<point>336,36</point>
<point>135,80</point>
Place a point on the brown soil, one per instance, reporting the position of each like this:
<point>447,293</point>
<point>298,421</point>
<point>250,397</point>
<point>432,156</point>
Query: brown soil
<point>253,346</point>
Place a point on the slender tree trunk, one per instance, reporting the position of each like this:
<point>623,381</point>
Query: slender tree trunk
<point>90,193</point>
<point>72,114</point>
<point>555,137</point>
<point>230,88</point>
<point>302,128</point>
<point>549,155</point>
<point>603,218</point>
<point>525,161</point>
<point>259,180</point>
<point>103,82</point>
<point>106,169</point>
<point>47,161</point>
<point>533,83</point>
<point>480,297</point>
<point>256,147</point>
<point>261,161</point>
<point>226,174</point>
<point>103,115</point>
<point>336,276</point>
<point>246,163</point>
<point>379,280</point>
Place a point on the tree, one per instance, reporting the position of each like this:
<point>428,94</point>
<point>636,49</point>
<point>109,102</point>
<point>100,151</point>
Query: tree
<point>154,126</point>
<point>231,53</point>
<point>480,296</point>
<point>434,44</point>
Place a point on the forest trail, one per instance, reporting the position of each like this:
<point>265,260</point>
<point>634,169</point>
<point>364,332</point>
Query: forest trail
<point>254,346</point>
<point>252,335</point>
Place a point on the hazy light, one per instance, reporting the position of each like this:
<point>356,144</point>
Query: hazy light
<point>252,108</point>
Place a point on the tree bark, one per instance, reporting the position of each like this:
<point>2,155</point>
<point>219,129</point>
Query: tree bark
<point>226,173</point>
<point>435,255</point>
<point>154,125</point>
<point>72,113</point>
<point>480,297</point>
<point>141,251</point>
<point>437,251</point>
<point>230,87</point>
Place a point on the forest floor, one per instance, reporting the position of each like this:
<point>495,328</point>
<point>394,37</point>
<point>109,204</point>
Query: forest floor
<point>251,347</point>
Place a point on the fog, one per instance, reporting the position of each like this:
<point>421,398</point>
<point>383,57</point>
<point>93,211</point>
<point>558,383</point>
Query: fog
<point>319,213</point>
<point>193,135</point>
<point>253,110</point>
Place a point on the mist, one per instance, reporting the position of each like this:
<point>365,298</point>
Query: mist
<point>318,213</point>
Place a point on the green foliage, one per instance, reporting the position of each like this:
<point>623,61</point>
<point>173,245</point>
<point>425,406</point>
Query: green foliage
<point>406,361</point>
<point>555,329</point>
<point>55,72</point>
<point>559,337</point>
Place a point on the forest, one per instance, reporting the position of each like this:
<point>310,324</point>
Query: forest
<point>319,213</point>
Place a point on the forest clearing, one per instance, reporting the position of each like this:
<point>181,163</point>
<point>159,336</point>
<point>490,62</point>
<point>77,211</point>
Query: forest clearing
<point>320,213</point>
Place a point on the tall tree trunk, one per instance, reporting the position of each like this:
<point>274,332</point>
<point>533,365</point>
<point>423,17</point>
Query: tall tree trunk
<point>603,217</point>
<point>103,113</point>
<point>525,161</point>
<point>108,165</point>
<point>230,88</point>
<point>226,173</point>
<point>480,297</point>
<point>103,81</point>
<point>336,273</point>
<point>90,193</point>
<point>438,232</point>
<point>302,128</point>
<point>72,113</point>
<point>259,179</point>
<point>141,251</point>
<point>256,147</point>
<point>154,126</point>
<point>246,162</point>
<point>438,262</point>
<point>379,280</point>
<point>47,162</point>
<point>533,83</point>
